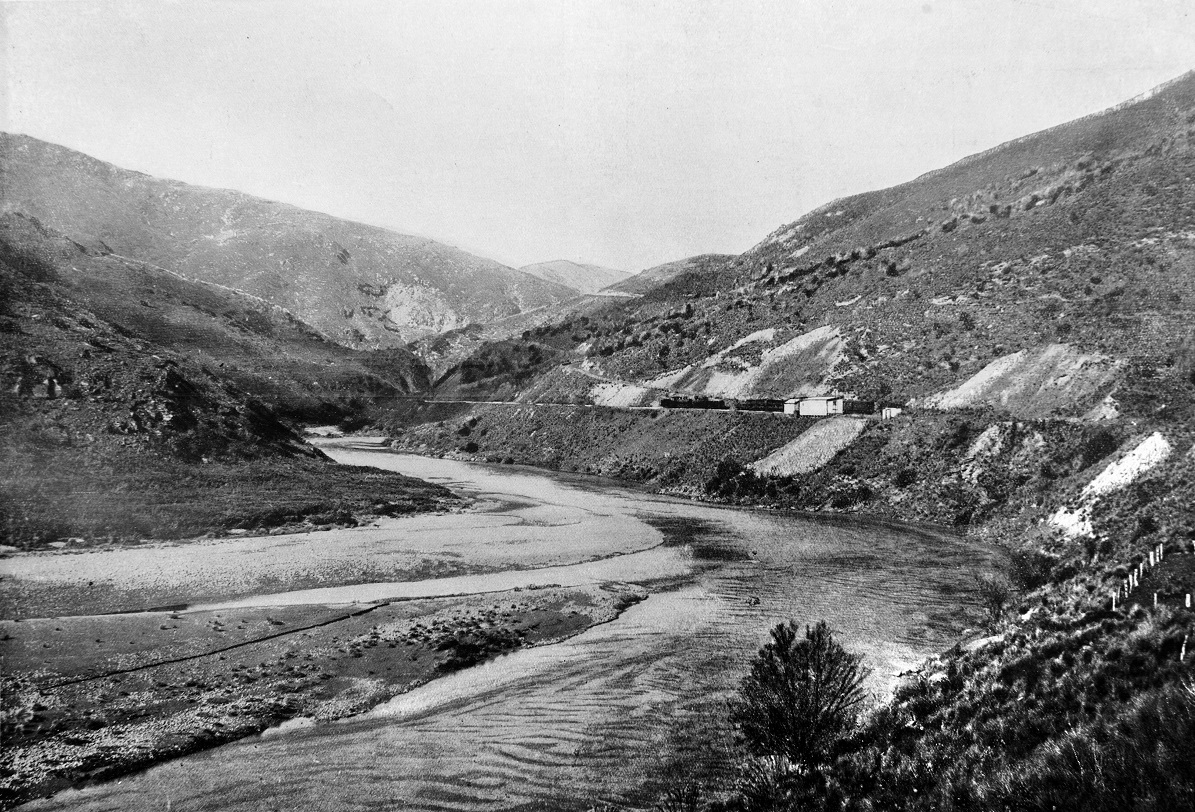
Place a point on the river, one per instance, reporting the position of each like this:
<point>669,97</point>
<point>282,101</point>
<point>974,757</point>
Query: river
<point>598,718</point>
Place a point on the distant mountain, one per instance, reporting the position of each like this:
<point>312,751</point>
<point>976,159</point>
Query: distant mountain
<point>581,278</point>
<point>359,285</point>
<point>656,276</point>
<point>138,404</point>
<point>261,349</point>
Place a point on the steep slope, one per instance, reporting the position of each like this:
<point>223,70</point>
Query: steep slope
<point>1046,280</point>
<point>1081,238</point>
<point>109,436</point>
<point>580,277</point>
<point>359,285</point>
<point>261,348</point>
<point>658,275</point>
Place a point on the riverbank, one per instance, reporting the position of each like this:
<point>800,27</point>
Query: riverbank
<point>88,699</point>
<point>83,498</point>
<point>594,713</point>
<point>1064,685</point>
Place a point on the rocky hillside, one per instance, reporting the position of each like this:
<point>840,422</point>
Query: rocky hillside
<point>1048,276</point>
<point>578,276</point>
<point>261,348</point>
<point>1029,306</point>
<point>358,285</point>
<point>138,405</point>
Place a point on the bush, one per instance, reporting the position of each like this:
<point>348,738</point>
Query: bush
<point>994,592</point>
<point>1031,569</point>
<point>1142,761</point>
<point>799,698</point>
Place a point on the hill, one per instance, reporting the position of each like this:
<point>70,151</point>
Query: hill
<point>1031,307</point>
<point>261,348</point>
<point>141,405</point>
<point>579,277</point>
<point>359,285</point>
<point>1078,237</point>
<point>658,275</point>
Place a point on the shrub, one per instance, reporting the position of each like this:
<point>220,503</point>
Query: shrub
<point>1140,761</point>
<point>799,698</point>
<point>995,593</point>
<point>1031,568</point>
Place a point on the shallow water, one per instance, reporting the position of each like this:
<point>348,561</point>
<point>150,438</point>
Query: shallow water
<point>591,719</point>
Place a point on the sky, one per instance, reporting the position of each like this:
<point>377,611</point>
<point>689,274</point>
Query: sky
<point>613,132</point>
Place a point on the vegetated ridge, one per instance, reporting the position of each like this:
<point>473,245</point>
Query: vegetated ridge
<point>1031,305</point>
<point>359,285</point>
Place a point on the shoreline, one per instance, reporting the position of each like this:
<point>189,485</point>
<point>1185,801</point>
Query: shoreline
<point>96,728</point>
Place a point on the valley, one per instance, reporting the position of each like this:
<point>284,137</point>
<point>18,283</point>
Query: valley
<point>646,590</point>
<point>553,511</point>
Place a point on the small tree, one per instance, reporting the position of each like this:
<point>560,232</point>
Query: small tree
<point>995,592</point>
<point>799,698</point>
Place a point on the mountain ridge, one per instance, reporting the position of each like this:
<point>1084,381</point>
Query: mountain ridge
<point>362,285</point>
<point>581,277</point>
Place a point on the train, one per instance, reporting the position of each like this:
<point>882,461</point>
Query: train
<point>775,405</point>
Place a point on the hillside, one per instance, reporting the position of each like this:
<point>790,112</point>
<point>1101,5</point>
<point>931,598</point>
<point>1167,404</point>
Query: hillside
<point>359,285</point>
<point>1078,238</point>
<point>1031,307</point>
<point>580,277</point>
<point>1045,282</point>
<point>138,405</point>
<point>261,348</point>
<point>659,275</point>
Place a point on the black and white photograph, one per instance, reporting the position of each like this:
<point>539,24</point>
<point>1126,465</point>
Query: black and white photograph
<point>597,405</point>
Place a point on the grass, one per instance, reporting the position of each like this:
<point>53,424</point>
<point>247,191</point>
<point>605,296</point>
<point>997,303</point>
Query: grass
<point>146,495</point>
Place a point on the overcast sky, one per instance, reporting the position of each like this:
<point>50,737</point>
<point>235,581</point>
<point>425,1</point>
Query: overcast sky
<point>620,133</point>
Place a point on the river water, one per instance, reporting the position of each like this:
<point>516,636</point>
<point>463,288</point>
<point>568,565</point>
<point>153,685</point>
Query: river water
<point>598,718</point>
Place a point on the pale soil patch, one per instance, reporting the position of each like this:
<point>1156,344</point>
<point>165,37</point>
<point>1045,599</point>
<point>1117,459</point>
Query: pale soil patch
<point>670,380</point>
<point>1119,474</point>
<point>1031,383</point>
<point>811,450</point>
<point>620,395</point>
<point>799,366</point>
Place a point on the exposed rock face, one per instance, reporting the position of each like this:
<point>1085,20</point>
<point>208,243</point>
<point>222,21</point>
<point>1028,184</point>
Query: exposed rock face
<point>359,285</point>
